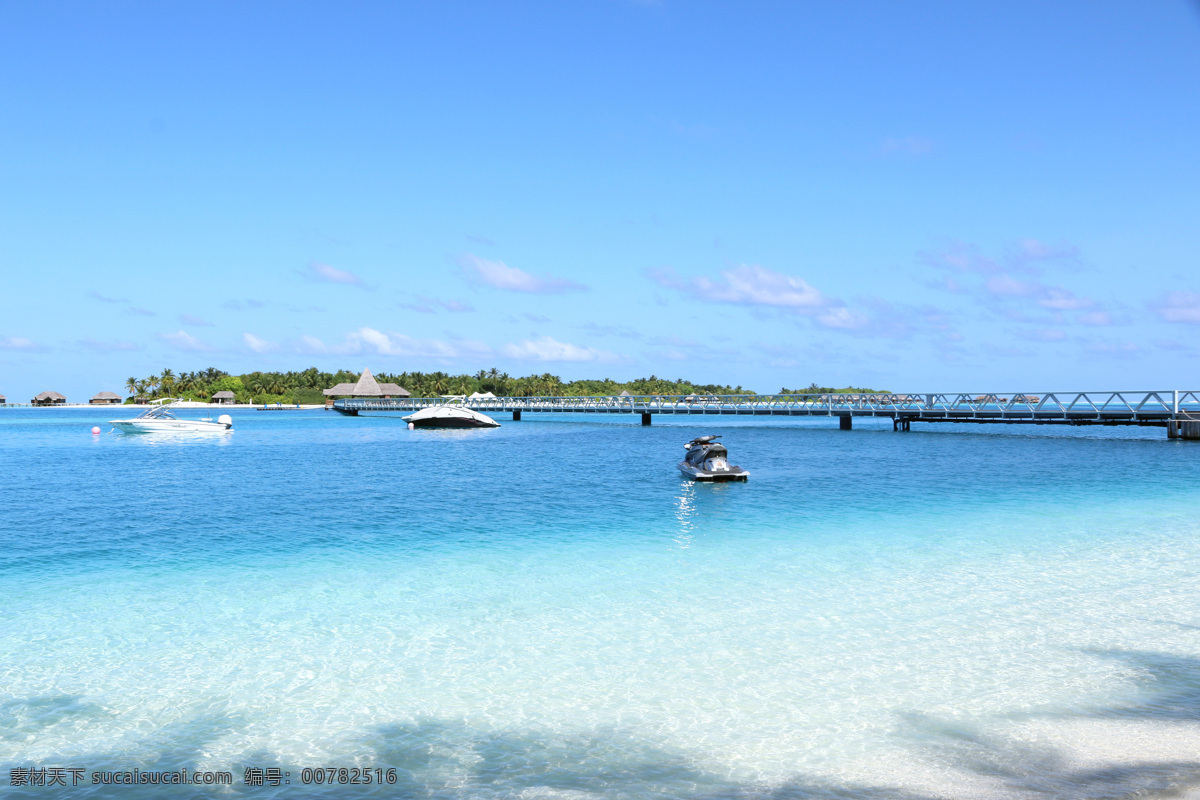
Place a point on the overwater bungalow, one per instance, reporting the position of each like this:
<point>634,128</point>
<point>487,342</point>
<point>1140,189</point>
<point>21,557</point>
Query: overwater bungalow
<point>3,400</point>
<point>49,399</point>
<point>367,386</point>
<point>105,399</point>
<point>223,398</point>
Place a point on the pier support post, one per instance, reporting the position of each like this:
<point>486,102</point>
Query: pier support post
<point>846,423</point>
<point>516,416</point>
<point>646,418</point>
<point>1172,429</point>
<point>1189,431</point>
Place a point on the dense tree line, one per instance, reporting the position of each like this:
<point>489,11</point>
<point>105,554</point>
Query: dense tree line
<point>305,387</point>
<point>814,389</point>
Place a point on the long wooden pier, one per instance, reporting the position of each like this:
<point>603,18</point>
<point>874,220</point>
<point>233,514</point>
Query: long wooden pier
<point>1177,411</point>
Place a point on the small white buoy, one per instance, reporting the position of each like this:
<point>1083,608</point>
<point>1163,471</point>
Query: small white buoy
<point>412,427</point>
<point>96,429</point>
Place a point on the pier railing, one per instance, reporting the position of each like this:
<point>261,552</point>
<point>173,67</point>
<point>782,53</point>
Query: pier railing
<point>1070,408</point>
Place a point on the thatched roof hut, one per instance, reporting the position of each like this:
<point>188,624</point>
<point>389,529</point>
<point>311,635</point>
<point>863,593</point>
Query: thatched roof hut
<point>367,386</point>
<point>624,393</point>
<point>105,399</point>
<point>3,399</point>
<point>49,399</point>
<point>223,397</point>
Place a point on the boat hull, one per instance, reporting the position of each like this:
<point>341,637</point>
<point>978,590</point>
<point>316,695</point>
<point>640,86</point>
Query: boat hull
<point>713,476</point>
<point>450,416</point>
<point>452,422</point>
<point>168,426</point>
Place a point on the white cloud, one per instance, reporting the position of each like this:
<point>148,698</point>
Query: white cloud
<point>182,340</point>
<point>108,347</point>
<point>370,340</point>
<point>548,349</point>
<point>748,285</point>
<point>258,345</point>
<point>499,275</point>
<point>843,318</point>
<point>1095,318</point>
<point>17,343</point>
<point>188,319</point>
<point>430,305</point>
<point>328,274</point>
<point>1007,286</point>
<point>93,294</point>
<point>1180,306</point>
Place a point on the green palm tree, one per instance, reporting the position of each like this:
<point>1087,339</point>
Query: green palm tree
<point>131,386</point>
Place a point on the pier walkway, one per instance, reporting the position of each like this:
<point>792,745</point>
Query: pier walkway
<point>1177,411</point>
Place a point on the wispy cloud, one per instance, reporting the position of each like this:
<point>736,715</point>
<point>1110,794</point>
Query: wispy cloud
<point>94,295</point>
<point>370,340</point>
<point>548,349</point>
<point>1181,306</point>
<point>182,340</point>
<point>328,274</point>
<point>623,331</point>
<point>1096,318</point>
<point>430,305</point>
<point>1120,350</point>
<point>243,305</point>
<point>258,345</point>
<point>760,289</point>
<point>498,275</point>
<point>98,346</point>
<point>139,312</point>
<point>477,239</point>
<point>195,322</point>
<point>18,343</point>
<point>747,285</point>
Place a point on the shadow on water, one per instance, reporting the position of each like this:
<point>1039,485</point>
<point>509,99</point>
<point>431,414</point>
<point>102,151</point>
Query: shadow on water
<point>447,759</point>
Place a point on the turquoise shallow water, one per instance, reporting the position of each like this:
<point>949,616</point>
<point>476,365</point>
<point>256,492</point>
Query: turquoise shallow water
<point>547,610</point>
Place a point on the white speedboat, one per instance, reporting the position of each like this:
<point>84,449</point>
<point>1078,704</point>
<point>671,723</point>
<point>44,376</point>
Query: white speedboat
<point>708,460</point>
<point>158,418</point>
<point>450,415</point>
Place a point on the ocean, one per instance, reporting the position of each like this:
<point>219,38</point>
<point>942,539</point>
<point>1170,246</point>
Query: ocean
<point>549,610</point>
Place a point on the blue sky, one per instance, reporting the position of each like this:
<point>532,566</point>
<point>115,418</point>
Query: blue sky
<point>920,195</point>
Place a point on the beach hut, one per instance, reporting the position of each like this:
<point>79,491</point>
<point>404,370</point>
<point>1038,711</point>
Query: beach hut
<point>223,398</point>
<point>624,393</point>
<point>366,386</point>
<point>105,399</point>
<point>3,400</point>
<point>49,399</point>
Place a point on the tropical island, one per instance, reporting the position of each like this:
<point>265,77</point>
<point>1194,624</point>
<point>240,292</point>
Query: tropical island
<point>306,387</point>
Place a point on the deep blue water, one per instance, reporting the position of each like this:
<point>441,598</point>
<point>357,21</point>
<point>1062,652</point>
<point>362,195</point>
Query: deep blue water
<point>548,609</point>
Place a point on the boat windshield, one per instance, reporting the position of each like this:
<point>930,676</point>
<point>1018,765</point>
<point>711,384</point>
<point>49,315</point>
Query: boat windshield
<point>157,412</point>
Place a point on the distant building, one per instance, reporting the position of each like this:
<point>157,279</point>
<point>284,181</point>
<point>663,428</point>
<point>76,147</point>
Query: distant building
<point>3,400</point>
<point>481,396</point>
<point>367,386</point>
<point>105,399</point>
<point>49,399</point>
<point>223,398</point>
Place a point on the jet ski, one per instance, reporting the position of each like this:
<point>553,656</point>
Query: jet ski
<point>707,460</point>
<point>450,415</point>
